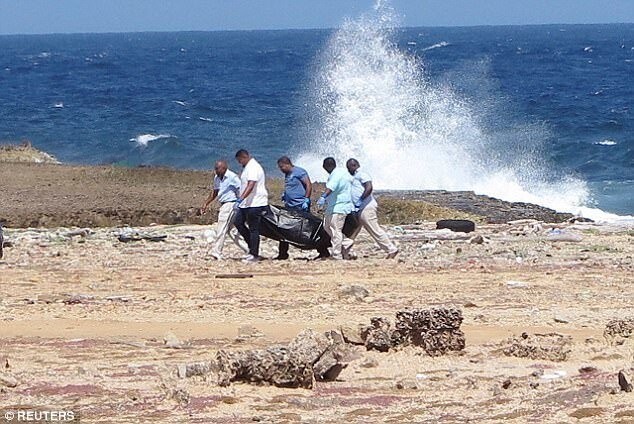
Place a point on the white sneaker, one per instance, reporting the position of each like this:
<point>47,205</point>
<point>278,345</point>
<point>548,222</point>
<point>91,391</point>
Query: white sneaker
<point>217,256</point>
<point>251,259</point>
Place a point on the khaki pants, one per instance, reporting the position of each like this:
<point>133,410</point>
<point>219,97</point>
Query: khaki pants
<point>370,221</point>
<point>333,224</point>
<point>224,227</point>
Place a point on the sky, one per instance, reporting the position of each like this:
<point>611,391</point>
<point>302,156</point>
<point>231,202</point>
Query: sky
<point>73,16</point>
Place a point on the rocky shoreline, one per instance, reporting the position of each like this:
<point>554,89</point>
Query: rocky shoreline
<point>50,195</point>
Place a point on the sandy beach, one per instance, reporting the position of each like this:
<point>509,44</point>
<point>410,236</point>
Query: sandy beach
<point>100,327</point>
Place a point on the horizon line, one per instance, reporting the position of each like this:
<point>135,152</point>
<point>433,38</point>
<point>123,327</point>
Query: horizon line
<point>306,29</point>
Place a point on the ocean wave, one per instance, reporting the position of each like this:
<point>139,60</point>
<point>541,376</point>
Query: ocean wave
<point>375,103</point>
<point>144,139</point>
<point>205,119</point>
<point>179,102</point>
<point>436,46</point>
<point>606,143</point>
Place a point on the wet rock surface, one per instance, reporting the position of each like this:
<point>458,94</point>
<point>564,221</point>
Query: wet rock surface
<point>493,211</point>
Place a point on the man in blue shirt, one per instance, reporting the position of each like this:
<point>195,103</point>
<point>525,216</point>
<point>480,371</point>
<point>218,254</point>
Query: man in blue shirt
<point>338,197</point>
<point>366,206</point>
<point>226,190</point>
<point>296,196</point>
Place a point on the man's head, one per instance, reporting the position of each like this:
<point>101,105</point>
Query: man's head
<point>221,167</point>
<point>243,157</point>
<point>352,165</point>
<point>285,164</point>
<point>329,164</point>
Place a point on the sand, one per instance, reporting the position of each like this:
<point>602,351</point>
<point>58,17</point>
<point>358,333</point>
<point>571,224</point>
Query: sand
<point>84,317</point>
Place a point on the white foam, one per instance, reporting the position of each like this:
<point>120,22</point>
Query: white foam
<point>144,139</point>
<point>179,102</point>
<point>205,119</point>
<point>436,46</point>
<point>58,105</point>
<point>375,103</point>
<point>606,143</point>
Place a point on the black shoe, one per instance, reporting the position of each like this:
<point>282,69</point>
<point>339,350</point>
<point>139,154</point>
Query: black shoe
<point>280,258</point>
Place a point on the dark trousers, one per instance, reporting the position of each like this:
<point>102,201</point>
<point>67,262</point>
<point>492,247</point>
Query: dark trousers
<point>248,225</point>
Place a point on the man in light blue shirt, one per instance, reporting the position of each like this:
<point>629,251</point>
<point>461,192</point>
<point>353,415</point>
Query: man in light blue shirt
<point>226,190</point>
<point>366,206</point>
<point>338,198</point>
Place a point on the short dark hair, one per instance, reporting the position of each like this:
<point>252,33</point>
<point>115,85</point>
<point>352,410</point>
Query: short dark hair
<point>284,159</point>
<point>242,152</point>
<point>353,160</point>
<point>330,162</point>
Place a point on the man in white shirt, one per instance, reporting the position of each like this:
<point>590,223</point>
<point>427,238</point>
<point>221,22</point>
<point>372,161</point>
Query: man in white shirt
<point>226,190</point>
<point>251,203</point>
<point>366,206</point>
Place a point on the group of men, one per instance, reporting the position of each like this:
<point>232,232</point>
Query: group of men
<point>244,201</point>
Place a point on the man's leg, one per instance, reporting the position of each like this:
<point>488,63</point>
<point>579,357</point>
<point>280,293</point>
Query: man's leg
<point>254,218</point>
<point>348,242</point>
<point>283,250</point>
<point>334,224</point>
<point>370,221</point>
<point>225,215</point>
<point>240,223</point>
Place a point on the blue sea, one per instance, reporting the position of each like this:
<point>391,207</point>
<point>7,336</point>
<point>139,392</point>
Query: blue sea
<point>525,113</point>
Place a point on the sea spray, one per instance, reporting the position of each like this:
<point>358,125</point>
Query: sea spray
<point>375,102</point>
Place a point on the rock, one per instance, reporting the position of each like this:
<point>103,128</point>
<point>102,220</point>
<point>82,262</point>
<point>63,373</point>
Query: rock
<point>588,369</point>
<point>308,357</point>
<point>617,330</point>
<point>74,299</point>
<point>171,341</point>
<point>248,331</point>
<point>624,383</point>
<point>181,370</point>
<point>561,319</point>
<point>180,395</point>
<point>7,380</point>
<point>195,369</point>
<point>437,330</point>
<point>379,335</point>
<point>478,239</point>
<point>369,363</point>
<point>550,347</point>
<point>564,236</point>
<point>358,292</point>
<point>354,334</point>
<point>405,384</point>
<point>506,384</point>
<point>470,305</point>
<point>275,365</point>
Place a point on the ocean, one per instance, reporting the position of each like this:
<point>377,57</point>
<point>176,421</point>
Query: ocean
<point>542,114</point>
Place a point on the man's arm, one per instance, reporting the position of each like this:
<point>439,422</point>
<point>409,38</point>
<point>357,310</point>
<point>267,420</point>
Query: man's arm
<point>367,190</point>
<point>247,191</point>
<point>308,186</point>
<point>210,199</point>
